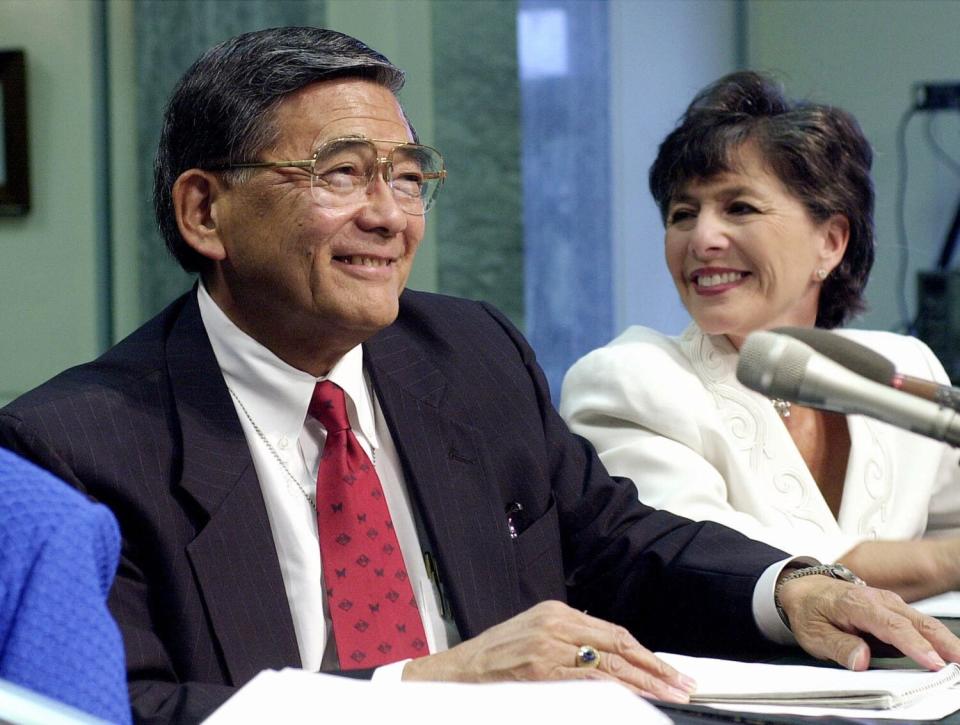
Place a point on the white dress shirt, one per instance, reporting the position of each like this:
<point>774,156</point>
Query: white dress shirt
<point>271,399</point>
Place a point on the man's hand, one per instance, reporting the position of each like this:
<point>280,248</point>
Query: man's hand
<point>542,643</point>
<point>830,619</point>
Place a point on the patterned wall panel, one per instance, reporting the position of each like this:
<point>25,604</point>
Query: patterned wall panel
<point>477,125</point>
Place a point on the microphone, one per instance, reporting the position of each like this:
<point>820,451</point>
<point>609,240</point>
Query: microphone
<point>872,365</point>
<point>780,366</point>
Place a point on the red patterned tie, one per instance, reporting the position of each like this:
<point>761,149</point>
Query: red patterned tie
<point>374,613</point>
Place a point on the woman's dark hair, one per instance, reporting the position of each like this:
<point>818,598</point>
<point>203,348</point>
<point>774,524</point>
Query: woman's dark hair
<point>223,108</point>
<point>817,152</point>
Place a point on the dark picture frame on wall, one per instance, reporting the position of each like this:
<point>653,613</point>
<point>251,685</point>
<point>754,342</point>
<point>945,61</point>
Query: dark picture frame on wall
<point>14,164</point>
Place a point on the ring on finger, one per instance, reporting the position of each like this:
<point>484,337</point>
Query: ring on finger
<point>588,657</point>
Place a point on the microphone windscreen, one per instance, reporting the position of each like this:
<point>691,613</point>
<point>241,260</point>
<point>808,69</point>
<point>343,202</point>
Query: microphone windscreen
<point>773,364</point>
<point>852,355</point>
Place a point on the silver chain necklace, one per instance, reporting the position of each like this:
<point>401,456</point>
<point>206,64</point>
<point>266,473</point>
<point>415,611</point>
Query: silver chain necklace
<point>310,499</point>
<point>273,451</point>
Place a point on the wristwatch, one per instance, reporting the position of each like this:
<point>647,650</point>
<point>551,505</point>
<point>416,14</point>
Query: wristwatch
<point>837,571</point>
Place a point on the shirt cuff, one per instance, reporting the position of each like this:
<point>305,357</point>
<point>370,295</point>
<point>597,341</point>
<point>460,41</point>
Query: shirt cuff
<point>765,612</point>
<point>392,672</point>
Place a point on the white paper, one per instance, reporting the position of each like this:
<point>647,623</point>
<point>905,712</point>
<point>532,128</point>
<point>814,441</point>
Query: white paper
<point>934,707</point>
<point>943,605</point>
<point>26,707</point>
<point>294,696</point>
<point>714,675</point>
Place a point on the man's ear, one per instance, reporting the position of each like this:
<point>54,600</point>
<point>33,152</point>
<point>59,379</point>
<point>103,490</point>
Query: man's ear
<point>195,196</point>
<point>836,235</point>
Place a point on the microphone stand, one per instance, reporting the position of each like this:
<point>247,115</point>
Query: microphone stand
<point>950,242</point>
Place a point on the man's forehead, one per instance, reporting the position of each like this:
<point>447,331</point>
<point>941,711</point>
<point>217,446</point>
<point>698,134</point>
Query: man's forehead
<point>343,107</point>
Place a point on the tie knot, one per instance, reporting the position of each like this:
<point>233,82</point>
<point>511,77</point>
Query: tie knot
<point>329,406</point>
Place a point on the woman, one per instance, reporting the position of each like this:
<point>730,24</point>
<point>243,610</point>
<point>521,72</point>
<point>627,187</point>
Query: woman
<point>768,210</point>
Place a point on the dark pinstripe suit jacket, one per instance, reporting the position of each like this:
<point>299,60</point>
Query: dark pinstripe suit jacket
<point>150,430</point>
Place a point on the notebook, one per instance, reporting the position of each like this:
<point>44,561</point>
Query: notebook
<point>747,683</point>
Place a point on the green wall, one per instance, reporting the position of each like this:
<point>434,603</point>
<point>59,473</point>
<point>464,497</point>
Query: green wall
<point>51,273</point>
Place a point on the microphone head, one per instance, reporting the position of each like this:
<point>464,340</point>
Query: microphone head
<point>773,364</point>
<point>852,355</point>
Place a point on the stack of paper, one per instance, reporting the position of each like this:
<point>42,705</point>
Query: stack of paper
<point>797,689</point>
<point>294,696</point>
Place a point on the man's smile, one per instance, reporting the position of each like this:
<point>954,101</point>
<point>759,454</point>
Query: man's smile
<point>362,261</point>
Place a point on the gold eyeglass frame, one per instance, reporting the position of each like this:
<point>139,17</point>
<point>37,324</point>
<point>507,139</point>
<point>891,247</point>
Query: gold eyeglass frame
<point>382,162</point>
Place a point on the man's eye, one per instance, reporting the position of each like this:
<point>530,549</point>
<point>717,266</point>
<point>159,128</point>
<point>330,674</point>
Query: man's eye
<point>343,176</point>
<point>344,169</point>
<point>408,183</point>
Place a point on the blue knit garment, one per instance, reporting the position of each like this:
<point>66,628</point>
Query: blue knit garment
<point>58,557</point>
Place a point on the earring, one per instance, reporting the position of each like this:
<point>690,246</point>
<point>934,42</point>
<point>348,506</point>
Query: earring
<point>822,274</point>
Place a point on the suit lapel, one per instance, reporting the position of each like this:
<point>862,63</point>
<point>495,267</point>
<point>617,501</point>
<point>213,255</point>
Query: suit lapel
<point>444,463</point>
<point>233,557</point>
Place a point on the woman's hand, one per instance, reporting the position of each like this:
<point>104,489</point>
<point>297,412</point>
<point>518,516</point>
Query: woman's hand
<point>913,569</point>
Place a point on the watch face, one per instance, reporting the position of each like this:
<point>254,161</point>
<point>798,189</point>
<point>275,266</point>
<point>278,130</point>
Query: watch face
<point>841,572</point>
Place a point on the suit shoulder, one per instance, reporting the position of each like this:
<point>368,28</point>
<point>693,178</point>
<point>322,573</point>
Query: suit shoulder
<point>461,340</point>
<point>433,304</point>
<point>636,352</point>
<point>642,375</point>
<point>443,317</point>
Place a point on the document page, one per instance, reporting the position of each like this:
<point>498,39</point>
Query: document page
<point>293,696</point>
<point>945,606</point>
<point>893,694</point>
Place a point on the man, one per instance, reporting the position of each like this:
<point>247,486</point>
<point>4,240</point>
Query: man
<point>289,178</point>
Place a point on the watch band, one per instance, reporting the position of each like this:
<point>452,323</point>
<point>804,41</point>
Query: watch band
<point>837,571</point>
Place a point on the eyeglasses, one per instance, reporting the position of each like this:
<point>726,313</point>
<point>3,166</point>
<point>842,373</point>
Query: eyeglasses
<point>341,171</point>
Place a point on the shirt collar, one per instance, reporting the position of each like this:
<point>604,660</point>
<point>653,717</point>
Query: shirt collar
<point>276,395</point>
